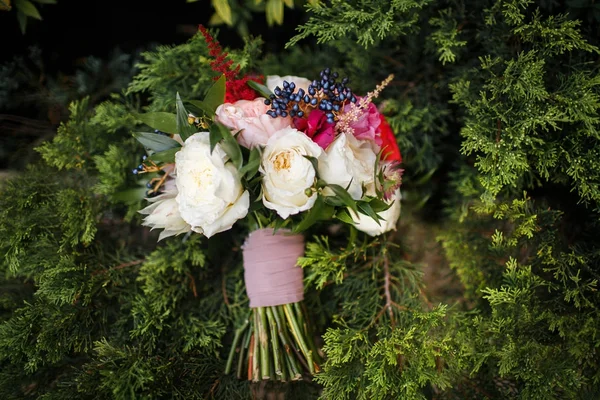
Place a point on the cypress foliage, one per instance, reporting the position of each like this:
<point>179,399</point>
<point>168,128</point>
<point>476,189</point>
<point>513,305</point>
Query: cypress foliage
<point>495,105</point>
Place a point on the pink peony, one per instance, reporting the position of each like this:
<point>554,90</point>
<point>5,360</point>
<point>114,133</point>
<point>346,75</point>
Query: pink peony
<point>250,117</point>
<point>367,125</point>
<point>317,128</point>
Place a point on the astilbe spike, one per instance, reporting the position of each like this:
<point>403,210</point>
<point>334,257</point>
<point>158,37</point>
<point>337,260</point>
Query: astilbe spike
<point>220,63</point>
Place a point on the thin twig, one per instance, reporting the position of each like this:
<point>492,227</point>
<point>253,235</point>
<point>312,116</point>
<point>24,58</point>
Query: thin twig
<point>118,267</point>
<point>388,295</point>
<point>192,284</point>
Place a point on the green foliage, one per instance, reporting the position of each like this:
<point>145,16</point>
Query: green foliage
<point>495,106</point>
<point>367,21</point>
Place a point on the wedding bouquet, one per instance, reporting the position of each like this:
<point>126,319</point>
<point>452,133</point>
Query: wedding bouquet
<point>280,154</point>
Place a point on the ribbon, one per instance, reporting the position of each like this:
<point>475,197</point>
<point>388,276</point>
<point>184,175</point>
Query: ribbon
<point>270,272</point>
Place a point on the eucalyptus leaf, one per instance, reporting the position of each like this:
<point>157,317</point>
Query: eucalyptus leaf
<point>155,142</point>
<point>163,121</point>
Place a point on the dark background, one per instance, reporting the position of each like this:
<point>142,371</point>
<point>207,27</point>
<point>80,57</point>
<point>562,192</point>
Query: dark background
<point>72,29</point>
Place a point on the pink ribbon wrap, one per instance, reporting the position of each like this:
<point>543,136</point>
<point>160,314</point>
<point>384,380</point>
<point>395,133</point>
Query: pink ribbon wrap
<point>270,271</point>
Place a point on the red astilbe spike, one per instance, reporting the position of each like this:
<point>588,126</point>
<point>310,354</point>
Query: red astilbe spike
<point>220,64</point>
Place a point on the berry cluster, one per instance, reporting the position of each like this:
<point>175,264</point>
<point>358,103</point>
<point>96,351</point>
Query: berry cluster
<point>327,94</point>
<point>140,168</point>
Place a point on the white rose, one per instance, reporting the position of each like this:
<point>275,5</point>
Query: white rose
<point>211,197</point>
<point>275,80</point>
<point>390,216</point>
<point>164,214</point>
<point>287,174</point>
<point>350,163</point>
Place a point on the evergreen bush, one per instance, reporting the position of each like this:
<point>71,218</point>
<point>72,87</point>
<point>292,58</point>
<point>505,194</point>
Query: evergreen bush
<point>496,109</point>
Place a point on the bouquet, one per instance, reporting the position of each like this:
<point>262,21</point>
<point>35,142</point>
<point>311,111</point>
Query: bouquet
<point>280,154</point>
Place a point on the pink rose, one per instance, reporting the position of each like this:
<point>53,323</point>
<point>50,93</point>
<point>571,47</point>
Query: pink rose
<point>367,125</point>
<point>317,128</point>
<point>250,117</point>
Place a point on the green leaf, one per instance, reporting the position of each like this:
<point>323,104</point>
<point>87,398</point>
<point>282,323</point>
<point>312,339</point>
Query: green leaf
<point>27,8</point>
<point>5,5</point>
<point>379,205</point>
<point>228,144</point>
<point>214,136</point>
<point>156,142</point>
<point>202,106</point>
<point>366,208</point>
<point>260,88</point>
<point>251,167</point>
<point>344,216</point>
<point>223,10</point>
<point>274,12</point>
<point>320,211</point>
<point>165,156</point>
<point>165,122</point>
<point>214,97</point>
<point>130,196</point>
<point>22,18</point>
<point>184,128</point>
<point>343,195</point>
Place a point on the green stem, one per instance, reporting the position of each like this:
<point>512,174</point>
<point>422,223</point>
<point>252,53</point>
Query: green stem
<point>255,348</point>
<point>294,357</point>
<point>289,313</point>
<point>274,340</point>
<point>308,331</point>
<point>243,348</point>
<point>265,365</point>
<point>236,339</point>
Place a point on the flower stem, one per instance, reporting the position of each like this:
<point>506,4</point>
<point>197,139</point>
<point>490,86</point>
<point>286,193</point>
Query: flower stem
<point>255,348</point>
<point>243,348</point>
<point>274,340</point>
<point>308,332</point>
<point>297,333</point>
<point>263,338</point>
<point>291,354</point>
<point>236,339</point>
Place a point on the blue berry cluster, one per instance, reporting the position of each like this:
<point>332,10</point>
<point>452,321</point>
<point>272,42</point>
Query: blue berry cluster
<point>327,94</point>
<point>140,168</point>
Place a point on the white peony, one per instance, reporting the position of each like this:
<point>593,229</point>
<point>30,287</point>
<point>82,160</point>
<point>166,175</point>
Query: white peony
<point>164,214</point>
<point>211,197</point>
<point>287,174</point>
<point>350,163</point>
<point>390,217</point>
<point>275,80</point>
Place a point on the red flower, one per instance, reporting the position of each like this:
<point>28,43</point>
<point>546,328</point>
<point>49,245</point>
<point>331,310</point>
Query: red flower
<point>238,89</point>
<point>317,128</point>
<point>389,145</point>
